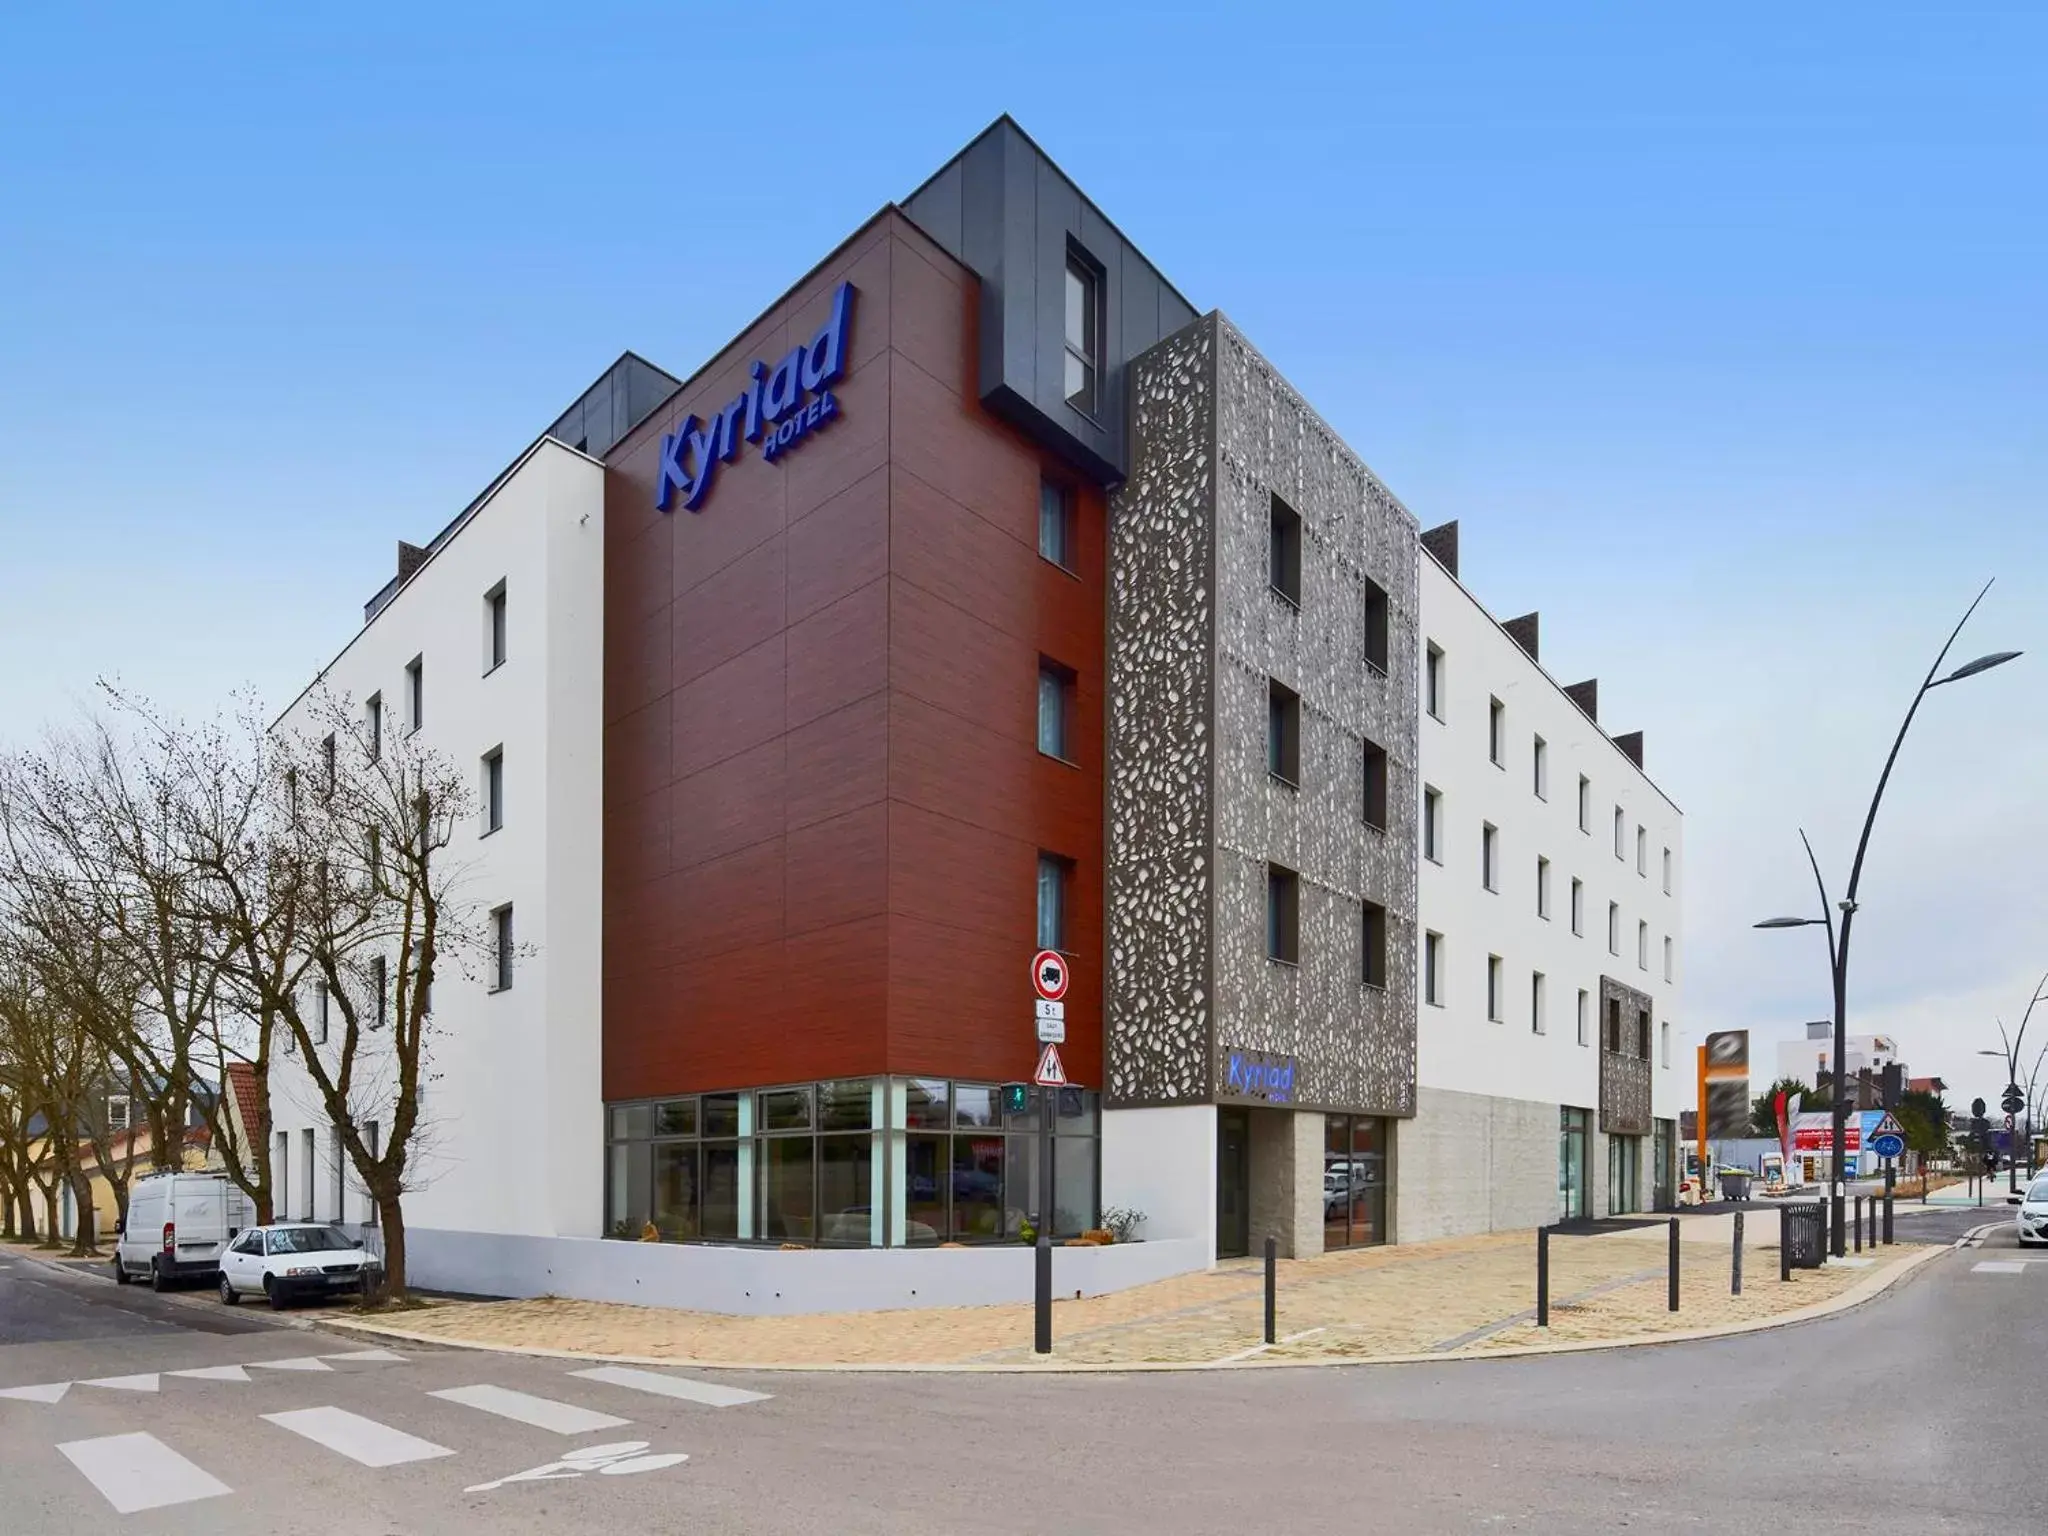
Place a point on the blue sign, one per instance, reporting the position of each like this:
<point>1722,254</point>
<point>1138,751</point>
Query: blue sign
<point>1888,1144</point>
<point>779,409</point>
<point>1260,1075</point>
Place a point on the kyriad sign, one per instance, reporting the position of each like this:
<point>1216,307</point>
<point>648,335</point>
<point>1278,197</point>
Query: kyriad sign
<point>779,409</point>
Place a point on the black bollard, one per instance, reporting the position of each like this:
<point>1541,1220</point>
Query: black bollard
<point>1272,1282</point>
<point>1859,1224</point>
<point>1042,1339</point>
<point>1674,1264</point>
<point>1543,1277</point>
<point>1735,1280</point>
<point>1890,1176</point>
<point>1784,1243</point>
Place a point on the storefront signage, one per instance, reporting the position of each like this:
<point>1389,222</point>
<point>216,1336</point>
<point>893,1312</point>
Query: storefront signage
<point>779,409</point>
<point>1260,1076</point>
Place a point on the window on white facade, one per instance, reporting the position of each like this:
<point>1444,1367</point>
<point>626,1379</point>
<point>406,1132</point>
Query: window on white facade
<point>1539,769</point>
<point>1642,946</point>
<point>1432,825</point>
<point>1433,969</point>
<point>1489,856</point>
<point>501,947</point>
<point>494,628</point>
<point>1493,1000</point>
<point>1579,908</point>
<point>1620,834</point>
<point>1537,1023</point>
<point>494,790</point>
<point>320,1001</point>
<point>1585,1017</point>
<point>1667,871</point>
<point>1585,804</point>
<point>1642,853</point>
<point>1613,928</point>
<point>327,763</point>
<point>1667,957</point>
<point>1497,732</point>
<point>380,983</point>
<point>1542,886</point>
<point>1433,682</point>
<point>1664,1044</point>
<point>416,692</point>
<point>373,725</point>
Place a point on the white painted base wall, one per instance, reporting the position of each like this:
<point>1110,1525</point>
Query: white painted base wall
<point>1163,1162</point>
<point>772,1281</point>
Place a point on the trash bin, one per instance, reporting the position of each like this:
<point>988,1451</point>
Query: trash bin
<point>1734,1186</point>
<point>1805,1234</point>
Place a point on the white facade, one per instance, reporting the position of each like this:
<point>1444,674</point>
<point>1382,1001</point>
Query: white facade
<point>513,1112</point>
<point>1506,844</point>
<point>1808,1059</point>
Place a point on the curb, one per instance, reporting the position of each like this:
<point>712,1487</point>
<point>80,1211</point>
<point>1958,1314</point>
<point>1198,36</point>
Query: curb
<point>1855,1296</point>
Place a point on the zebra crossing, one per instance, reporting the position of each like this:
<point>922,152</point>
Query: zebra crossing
<point>139,1470</point>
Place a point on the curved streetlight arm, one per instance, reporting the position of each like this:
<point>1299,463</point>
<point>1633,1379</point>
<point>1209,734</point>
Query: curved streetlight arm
<point>1827,912</point>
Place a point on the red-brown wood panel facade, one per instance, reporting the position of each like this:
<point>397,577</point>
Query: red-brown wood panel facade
<point>824,801</point>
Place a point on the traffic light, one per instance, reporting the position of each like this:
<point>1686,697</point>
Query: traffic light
<point>1893,1086</point>
<point>1016,1098</point>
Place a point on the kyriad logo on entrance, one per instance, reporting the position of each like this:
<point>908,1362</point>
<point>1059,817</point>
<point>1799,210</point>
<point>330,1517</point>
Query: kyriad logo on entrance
<point>773,408</point>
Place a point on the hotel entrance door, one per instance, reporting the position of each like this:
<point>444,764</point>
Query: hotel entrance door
<point>1233,1183</point>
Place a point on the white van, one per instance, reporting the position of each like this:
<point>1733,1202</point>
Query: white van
<point>177,1226</point>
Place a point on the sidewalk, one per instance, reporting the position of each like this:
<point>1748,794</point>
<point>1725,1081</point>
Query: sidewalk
<point>1443,1300</point>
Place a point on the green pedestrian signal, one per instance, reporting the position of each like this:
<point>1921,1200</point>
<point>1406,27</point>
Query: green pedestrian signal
<point>1016,1098</point>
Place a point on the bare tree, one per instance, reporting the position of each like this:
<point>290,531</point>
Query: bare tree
<point>340,915</point>
<point>56,1066</point>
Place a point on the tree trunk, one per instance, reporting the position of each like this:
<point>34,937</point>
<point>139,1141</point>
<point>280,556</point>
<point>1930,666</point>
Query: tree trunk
<point>25,1198</point>
<point>391,1219</point>
<point>82,1207</point>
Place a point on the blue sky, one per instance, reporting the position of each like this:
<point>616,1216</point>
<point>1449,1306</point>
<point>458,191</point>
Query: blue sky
<point>1725,337</point>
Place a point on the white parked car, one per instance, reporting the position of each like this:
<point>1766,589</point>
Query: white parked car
<point>292,1259</point>
<point>2031,1224</point>
<point>177,1225</point>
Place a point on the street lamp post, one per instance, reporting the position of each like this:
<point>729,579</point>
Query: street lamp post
<point>1838,941</point>
<point>2011,1056</point>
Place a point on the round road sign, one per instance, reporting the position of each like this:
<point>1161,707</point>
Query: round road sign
<point>1049,974</point>
<point>1888,1144</point>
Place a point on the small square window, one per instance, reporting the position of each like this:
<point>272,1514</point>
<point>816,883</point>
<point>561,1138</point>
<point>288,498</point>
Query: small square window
<point>1283,732</point>
<point>1496,732</point>
<point>1378,627</point>
<point>1056,523</point>
<point>1283,914</point>
<point>1375,935</point>
<point>1055,709</point>
<point>1376,786</point>
<point>1283,552</point>
<point>1433,969</point>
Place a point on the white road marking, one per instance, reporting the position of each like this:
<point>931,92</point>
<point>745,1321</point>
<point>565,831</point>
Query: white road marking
<point>1998,1267</point>
<point>145,1383</point>
<point>297,1363</point>
<point>49,1392</point>
<point>672,1386</point>
<point>213,1373</point>
<point>540,1412</point>
<point>138,1471</point>
<point>622,1459</point>
<point>359,1439</point>
<point>366,1354</point>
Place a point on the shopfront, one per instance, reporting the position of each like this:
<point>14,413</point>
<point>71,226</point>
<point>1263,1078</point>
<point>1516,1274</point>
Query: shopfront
<point>863,1162</point>
<point>1624,1175</point>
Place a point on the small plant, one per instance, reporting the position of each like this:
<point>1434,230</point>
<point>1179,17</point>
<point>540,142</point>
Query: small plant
<point>1122,1223</point>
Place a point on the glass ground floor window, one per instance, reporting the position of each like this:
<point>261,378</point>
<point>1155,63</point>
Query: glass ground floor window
<point>862,1162</point>
<point>1624,1175</point>
<point>1354,1180</point>
<point>1571,1163</point>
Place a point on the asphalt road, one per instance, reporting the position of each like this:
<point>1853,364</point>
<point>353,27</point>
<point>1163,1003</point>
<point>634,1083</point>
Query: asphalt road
<point>1904,1414</point>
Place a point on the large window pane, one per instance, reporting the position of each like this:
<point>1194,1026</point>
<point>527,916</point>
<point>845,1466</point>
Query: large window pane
<point>678,1117</point>
<point>1077,1112</point>
<point>846,1106</point>
<point>1368,1180</point>
<point>1336,1181</point>
<point>928,1104</point>
<point>845,1203</point>
<point>977,1186</point>
<point>722,1188</point>
<point>1021,1184</point>
<point>788,1188</point>
<point>677,1211</point>
<point>1073,1185</point>
<point>927,1170</point>
<point>785,1109</point>
<point>629,1188</point>
<point>721,1115</point>
<point>629,1120</point>
<point>975,1104</point>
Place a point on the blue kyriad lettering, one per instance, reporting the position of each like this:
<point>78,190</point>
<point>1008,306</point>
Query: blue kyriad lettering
<point>772,411</point>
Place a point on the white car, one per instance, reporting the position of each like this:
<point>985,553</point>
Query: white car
<point>2031,1224</point>
<point>291,1259</point>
